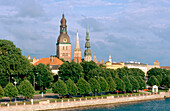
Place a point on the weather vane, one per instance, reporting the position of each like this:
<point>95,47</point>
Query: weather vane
<point>63,10</point>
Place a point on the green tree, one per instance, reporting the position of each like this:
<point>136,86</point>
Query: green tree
<point>60,88</point>
<point>159,78</point>
<point>156,71</point>
<point>1,92</point>
<point>119,84</point>
<point>122,72</point>
<point>142,84</point>
<point>95,86</point>
<point>128,85</point>
<point>134,82</point>
<point>153,81</point>
<point>70,70</point>
<point>91,74</point>
<point>12,62</point>
<point>103,84</point>
<point>71,87</point>
<point>44,76</point>
<point>113,73</point>
<point>83,86</point>
<point>87,66</point>
<point>10,91</point>
<point>111,84</point>
<point>26,89</point>
<point>135,72</point>
<point>166,81</point>
<point>107,73</point>
<point>101,72</point>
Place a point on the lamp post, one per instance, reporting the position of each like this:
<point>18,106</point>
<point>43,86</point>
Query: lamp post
<point>15,82</point>
<point>34,80</point>
<point>10,77</point>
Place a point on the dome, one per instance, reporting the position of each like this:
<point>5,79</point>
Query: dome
<point>63,20</point>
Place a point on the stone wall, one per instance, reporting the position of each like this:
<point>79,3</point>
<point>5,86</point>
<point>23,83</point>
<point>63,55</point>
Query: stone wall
<point>79,103</point>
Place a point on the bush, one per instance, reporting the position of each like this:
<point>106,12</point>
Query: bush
<point>10,91</point>
<point>26,89</point>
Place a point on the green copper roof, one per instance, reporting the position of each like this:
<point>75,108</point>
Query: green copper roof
<point>87,32</point>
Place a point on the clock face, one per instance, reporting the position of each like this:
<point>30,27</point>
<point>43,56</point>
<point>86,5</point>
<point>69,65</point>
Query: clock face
<point>64,40</point>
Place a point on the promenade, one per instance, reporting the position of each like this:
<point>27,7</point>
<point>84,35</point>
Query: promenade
<point>46,105</point>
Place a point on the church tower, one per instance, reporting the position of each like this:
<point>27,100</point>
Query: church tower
<point>77,51</point>
<point>63,42</point>
<point>87,52</point>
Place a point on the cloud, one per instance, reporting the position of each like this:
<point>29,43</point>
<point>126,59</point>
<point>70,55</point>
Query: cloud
<point>129,30</point>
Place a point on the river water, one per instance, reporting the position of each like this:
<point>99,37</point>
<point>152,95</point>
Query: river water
<point>155,105</point>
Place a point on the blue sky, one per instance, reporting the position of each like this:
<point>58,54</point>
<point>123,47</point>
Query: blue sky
<point>137,30</point>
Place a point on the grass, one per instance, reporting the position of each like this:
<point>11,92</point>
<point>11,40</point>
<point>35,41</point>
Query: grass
<point>47,91</point>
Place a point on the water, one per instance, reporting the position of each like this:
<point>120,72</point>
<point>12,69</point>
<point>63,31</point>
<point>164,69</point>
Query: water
<point>156,105</point>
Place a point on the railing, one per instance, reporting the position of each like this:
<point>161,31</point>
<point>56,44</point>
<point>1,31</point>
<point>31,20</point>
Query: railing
<point>57,101</point>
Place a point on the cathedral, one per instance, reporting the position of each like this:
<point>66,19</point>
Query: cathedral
<point>63,45</point>
<point>63,42</point>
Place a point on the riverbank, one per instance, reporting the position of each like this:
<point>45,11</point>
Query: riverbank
<point>46,105</point>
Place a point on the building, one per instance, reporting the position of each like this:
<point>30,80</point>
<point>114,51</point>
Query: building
<point>77,51</point>
<point>138,65</point>
<point>95,59</point>
<point>144,67</point>
<point>63,44</point>
<point>111,65</point>
<point>87,52</point>
<point>53,62</point>
<point>165,67</point>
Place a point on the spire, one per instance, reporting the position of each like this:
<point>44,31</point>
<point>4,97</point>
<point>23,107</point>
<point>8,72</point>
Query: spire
<point>87,45</point>
<point>110,58</point>
<point>87,32</point>
<point>77,42</point>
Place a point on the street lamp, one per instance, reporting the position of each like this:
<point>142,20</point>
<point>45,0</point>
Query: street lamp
<point>10,77</point>
<point>34,80</point>
<point>15,82</point>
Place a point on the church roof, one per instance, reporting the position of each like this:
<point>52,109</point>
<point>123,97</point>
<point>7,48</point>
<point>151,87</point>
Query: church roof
<point>50,61</point>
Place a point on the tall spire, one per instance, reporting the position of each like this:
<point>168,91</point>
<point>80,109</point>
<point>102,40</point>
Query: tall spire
<point>110,58</point>
<point>87,52</point>
<point>77,42</point>
<point>87,31</point>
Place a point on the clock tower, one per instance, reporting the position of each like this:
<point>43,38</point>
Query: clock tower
<point>63,42</point>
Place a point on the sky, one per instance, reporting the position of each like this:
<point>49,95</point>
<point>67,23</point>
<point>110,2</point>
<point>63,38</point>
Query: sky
<point>129,30</point>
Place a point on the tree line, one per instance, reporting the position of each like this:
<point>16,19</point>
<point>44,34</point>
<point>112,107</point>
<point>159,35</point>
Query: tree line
<point>83,78</point>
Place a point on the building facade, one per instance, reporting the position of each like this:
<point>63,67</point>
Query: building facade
<point>77,51</point>
<point>63,44</point>
<point>95,59</point>
<point>87,52</point>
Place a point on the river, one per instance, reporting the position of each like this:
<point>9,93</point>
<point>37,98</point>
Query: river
<point>155,105</point>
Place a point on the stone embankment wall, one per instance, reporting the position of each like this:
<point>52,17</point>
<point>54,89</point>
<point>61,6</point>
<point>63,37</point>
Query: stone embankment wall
<point>45,105</point>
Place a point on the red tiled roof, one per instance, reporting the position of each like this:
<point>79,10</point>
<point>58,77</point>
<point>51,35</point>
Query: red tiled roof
<point>165,67</point>
<point>156,61</point>
<point>46,61</point>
